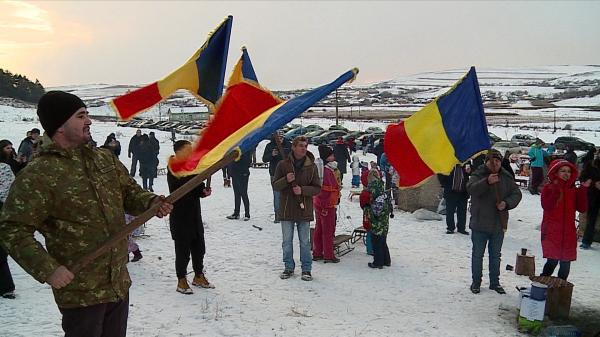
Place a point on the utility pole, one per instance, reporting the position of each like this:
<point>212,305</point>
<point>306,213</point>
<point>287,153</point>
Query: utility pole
<point>554,122</point>
<point>336,107</point>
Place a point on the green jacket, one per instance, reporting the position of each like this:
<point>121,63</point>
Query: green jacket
<point>76,199</point>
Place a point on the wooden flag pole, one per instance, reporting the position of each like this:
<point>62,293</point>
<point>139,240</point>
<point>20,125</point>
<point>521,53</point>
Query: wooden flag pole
<point>151,212</point>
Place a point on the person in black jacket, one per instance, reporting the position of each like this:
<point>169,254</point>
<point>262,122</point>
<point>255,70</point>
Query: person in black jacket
<point>506,163</point>
<point>570,155</point>
<point>455,193</point>
<point>273,157</point>
<point>591,171</point>
<point>148,163</point>
<point>132,151</point>
<point>240,174</point>
<point>8,156</point>
<point>340,152</point>
<point>187,229</point>
<point>113,144</point>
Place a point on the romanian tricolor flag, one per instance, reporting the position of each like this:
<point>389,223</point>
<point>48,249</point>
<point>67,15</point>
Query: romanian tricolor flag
<point>243,70</point>
<point>247,114</point>
<point>447,131</point>
<point>202,75</point>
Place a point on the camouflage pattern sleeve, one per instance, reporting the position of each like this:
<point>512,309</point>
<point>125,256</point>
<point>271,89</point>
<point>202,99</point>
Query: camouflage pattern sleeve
<point>26,208</point>
<point>135,199</point>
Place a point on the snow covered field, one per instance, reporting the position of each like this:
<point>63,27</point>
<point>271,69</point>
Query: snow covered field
<point>424,292</point>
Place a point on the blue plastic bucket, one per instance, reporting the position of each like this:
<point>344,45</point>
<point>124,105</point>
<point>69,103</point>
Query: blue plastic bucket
<point>539,291</point>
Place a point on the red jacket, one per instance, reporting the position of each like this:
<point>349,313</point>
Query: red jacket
<point>330,190</point>
<point>560,199</point>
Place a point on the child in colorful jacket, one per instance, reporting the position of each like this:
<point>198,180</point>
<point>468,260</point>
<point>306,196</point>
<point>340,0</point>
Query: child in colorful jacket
<point>379,217</point>
<point>365,204</point>
<point>560,199</point>
<point>325,204</point>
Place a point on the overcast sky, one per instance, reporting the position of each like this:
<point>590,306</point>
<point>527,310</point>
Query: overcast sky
<point>291,44</point>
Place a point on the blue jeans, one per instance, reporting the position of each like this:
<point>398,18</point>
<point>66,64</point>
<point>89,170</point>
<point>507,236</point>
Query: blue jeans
<point>494,243</point>
<point>287,230</point>
<point>275,202</point>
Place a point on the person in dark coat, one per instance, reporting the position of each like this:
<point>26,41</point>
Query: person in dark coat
<point>8,156</point>
<point>148,163</point>
<point>187,229</point>
<point>455,193</point>
<point>506,164</point>
<point>560,201</point>
<point>273,157</point>
<point>570,155</point>
<point>154,142</point>
<point>132,152</point>
<point>30,145</point>
<point>342,156</point>
<point>240,174</point>
<point>113,144</point>
<point>591,171</point>
<point>493,192</point>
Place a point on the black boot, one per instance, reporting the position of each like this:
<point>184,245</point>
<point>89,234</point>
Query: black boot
<point>137,255</point>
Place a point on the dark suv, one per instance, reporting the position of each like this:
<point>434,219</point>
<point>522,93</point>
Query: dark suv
<point>575,143</point>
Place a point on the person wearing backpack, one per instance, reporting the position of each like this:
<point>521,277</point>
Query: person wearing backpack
<point>379,218</point>
<point>455,193</point>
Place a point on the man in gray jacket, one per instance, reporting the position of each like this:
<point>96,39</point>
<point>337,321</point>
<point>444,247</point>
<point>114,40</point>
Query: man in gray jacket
<point>493,192</point>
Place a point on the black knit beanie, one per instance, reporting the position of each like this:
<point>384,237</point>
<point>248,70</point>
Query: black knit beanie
<point>324,152</point>
<point>55,108</point>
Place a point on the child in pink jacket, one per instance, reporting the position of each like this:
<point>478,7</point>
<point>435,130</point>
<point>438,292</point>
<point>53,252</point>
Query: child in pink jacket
<point>325,204</point>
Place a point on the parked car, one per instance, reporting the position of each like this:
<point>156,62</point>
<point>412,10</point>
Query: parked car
<point>512,147</point>
<point>353,134</point>
<point>313,127</point>
<point>575,143</point>
<point>373,129</point>
<point>328,137</point>
<point>494,138</point>
<point>290,127</point>
<point>523,139</point>
<point>310,135</point>
<point>338,127</point>
<point>293,133</point>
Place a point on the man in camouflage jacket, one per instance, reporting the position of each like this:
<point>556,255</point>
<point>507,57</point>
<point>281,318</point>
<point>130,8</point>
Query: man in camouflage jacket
<point>76,196</point>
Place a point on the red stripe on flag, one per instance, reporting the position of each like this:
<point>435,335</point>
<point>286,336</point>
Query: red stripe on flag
<point>137,100</point>
<point>404,156</point>
<point>241,104</point>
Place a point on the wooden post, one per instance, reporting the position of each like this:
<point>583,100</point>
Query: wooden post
<point>150,213</point>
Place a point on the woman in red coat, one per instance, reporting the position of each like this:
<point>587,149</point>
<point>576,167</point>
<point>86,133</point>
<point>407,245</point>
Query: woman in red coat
<point>560,199</point>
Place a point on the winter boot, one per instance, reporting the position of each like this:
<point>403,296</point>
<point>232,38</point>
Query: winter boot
<point>201,281</point>
<point>137,255</point>
<point>183,287</point>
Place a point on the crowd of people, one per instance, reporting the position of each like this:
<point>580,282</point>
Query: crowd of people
<point>305,187</point>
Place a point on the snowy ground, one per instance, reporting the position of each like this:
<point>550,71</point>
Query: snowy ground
<point>424,293</point>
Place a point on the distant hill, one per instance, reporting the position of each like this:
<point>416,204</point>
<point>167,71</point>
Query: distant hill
<point>20,87</point>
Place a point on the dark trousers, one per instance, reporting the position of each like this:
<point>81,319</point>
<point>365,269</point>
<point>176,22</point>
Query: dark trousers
<point>240,192</point>
<point>590,223</point>
<point>537,177</point>
<point>6,281</point>
<point>100,320</point>
<point>134,161</point>
<point>563,271</point>
<point>494,242</point>
<point>456,203</point>
<point>183,249</point>
<point>147,183</point>
<point>381,253</point>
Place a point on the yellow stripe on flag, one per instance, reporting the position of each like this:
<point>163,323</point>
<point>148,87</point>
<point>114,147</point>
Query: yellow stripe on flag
<point>184,77</point>
<point>220,150</point>
<point>427,134</point>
